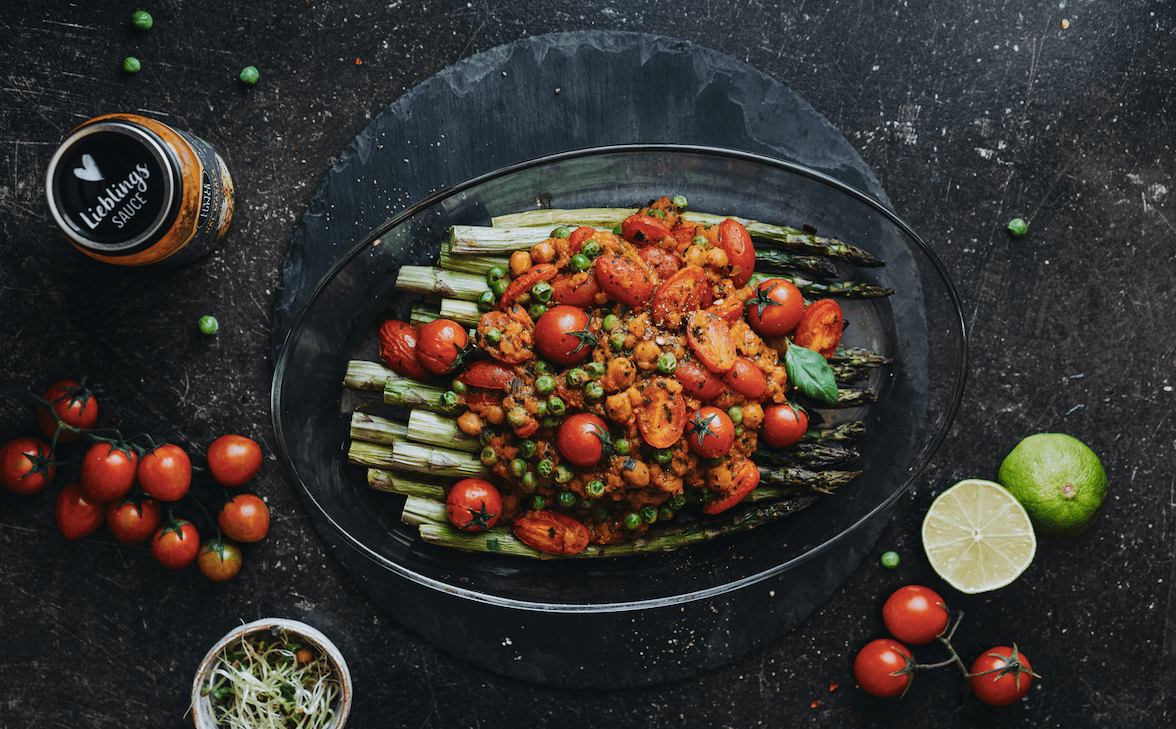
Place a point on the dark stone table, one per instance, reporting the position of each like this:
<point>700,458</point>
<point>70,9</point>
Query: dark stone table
<point>968,114</point>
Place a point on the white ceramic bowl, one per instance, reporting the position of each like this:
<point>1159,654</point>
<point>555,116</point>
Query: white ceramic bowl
<point>202,706</point>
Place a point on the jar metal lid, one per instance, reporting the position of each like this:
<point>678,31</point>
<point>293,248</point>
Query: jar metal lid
<point>114,187</point>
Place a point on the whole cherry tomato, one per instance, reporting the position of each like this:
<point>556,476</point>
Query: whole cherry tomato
<point>744,482</point>
<point>583,439</point>
<point>132,521</point>
<point>736,243</point>
<point>473,505</point>
<point>563,335</point>
<point>1001,676</point>
<point>747,379</point>
<point>77,514</point>
<point>108,471</point>
<point>398,343</point>
<point>915,614</point>
<point>219,560</point>
<point>244,518</point>
<point>441,345</point>
<point>25,467</point>
<point>783,424</point>
<point>624,279</point>
<point>74,406</point>
<point>165,472</point>
<point>234,459</point>
<point>883,667</point>
<point>710,432</point>
<point>551,532</point>
<point>820,327</point>
<point>776,308</point>
<point>175,544</point>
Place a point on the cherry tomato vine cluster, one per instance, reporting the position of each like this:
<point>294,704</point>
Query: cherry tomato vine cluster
<point>917,615</point>
<point>134,488</point>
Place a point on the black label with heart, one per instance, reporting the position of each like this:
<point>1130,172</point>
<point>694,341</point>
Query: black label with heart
<point>113,187</point>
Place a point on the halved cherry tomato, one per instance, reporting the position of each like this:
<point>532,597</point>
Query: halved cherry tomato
<point>662,262</point>
<point>74,405</point>
<point>442,345</point>
<point>744,483</point>
<point>682,293</point>
<point>25,466</point>
<point>578,238</point>
<point>729,309</point>
<point>108,471</point>
<point>683,236</point>
<point>234,459</point>
<point>710,432</point>
<point>244,518</point>
<point>736,243</point>
<point>473,505</point>
<point>489,374</point>
<point>551,532</point>
<point>1001,676</point>
<point>77,514</point>
<point>563,335</point>
<point>132,521</point>
<point>579,289</point>
<point>522,284</point>
<point>398,341</point>
<point>747,379</point>
<point>165,472</point>
<point>644,230</point>
<point>516,330</point>
<point>626,280</point>
<point>711,341</point>
<point>883,667</point>
<point>661,412</point>
<point>583,439</point>
<point>820,328</point>
<point>776,308</point>
<point>783,425</point>
<point>219,560</point>
<point>175,544</point>
<point>697,381</point>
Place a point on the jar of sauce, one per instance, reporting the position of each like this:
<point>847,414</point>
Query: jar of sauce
<point>129,190</point>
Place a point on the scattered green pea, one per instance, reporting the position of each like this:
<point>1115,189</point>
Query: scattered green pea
<point>131,64</point>
<point>679,201</point>
<point>459,387</point>
<point>581,262</point>
<point>542,291</point>
<point>449,400</point>
<point>550,422</point>
<point>562,232</point>
<point>657,213</point>
<point>564,474</point>
<point>890,560</point>
<point>1018,227</point>
<point>736,414</point>
<point>556,405</point>
<point>541,409</point>
<point>577,377</point>
<point>489,456</point>
<point>487,300</point>
<point>594,390</point>
<point>591,248</point>
<point>595,369</point>
<point>536,310</point>
<point>700,240</point>
<point>141,19</point>
<point>249,75</point>
<point>663,455</point>
<point>538,502</point>
<point>622,447</point>
<point>667,363</point>
<point>632,520</point>
<point>498,286</point>
<point>676,502</point>
<point>529,482</point>
<point>616,340</point>
<point>526,448</point>
<point>649,513</point>
<point>595,489</point>
<point>545,467</point>
<point>542,367</point>
<point>518,467</point>
<point>496,272</point>
<point>566,499</point>
<point>517,417</point>
<point>493,336</point>
<point>610,322</point>
<point>665,514</point>
<point>208,325</point>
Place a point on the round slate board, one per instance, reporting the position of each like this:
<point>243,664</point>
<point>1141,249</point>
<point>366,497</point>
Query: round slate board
<point>535,97</point>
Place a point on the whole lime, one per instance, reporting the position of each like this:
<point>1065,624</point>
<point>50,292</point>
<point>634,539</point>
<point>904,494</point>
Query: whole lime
<point>1060,482</point>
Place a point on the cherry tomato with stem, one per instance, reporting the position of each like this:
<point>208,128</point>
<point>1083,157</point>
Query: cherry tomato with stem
<point>73,404</point>
<point>915,614</point>
<point>884,668</point>
<point>219,560</point>
<point>583,439</point>
<point>77,514</point>
<point>710,432</point>
<point>109,471</point>
<point>1001,676</point>
<point>175,544</point>
<point>165,472</point>
<point>233,459</point>
<point>776,308</point>
<point>564,336</point>
<point>473,505</point>
<point>25,465</point>
<point>244,518</point>
<point>133,520</point>
<point>783,424</point>
<point>442,345</point>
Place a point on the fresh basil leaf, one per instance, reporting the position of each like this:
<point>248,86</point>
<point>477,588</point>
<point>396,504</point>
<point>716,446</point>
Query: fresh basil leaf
<point>810,374</point>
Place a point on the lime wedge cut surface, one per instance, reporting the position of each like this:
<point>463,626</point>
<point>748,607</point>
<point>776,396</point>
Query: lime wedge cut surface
<point>978,537</point>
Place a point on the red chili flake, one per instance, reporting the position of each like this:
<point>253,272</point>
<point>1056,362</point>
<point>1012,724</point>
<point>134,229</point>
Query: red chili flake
<point>815,704</point>
<point>358,62</point>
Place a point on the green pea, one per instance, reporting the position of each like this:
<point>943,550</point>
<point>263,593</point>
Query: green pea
<point>517,417</point>
<point>679,201</point>
<point>738,430</point>
<point>594,390</point>
<point>564,474</point>
<point>498,286</point>
<point>657,213</point>
<point>489,456</point>
<point>518,467</point>
<point>595,369</point>
<point>580,262</point>
<point>542,291</point>
<point>576,377</point>
<point>542,367</point>
<point>649,513</point>
<point>208,325</point>
<point>562,232</point>
<point>610,322</point>
<point>663,455</point>
<point>493,336</point>
<point>541,409</point>
<point>545,467</point>
<point>616,340</point>
<point>591,248</point>
<point>131,64</point>
<point>538,502</point>
<point>566,499</point>
<point>667,363</point>
<point>595,489</point>
<point>676,502</point>
<point>496,272</point>
<point>890,560</point>
<point>550,422</point>
<point>736,414</point>
<point>487,301</point>
<point>249,75</point>
<point>529,482</point>
<point>141,19</point>
<point>700,240</point>
<point>526,448</point>
<point>459,387</point>
<point>1018,227</point>
<point>632,520</point>
<point>556,405</point>
<point>618,231</point>
<point>621,446</point>
<point>449,400</point>
<point>536,310</point>
<point>665,514</point>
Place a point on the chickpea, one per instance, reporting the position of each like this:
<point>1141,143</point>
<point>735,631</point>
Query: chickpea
<point>470,423</point>
<point>717,258</point>
<point>520,261</point>
<point>621,372</point>
<point>636,472</point>
<point>543,252</point>
<point>753,415</point>
<point>495,414</point>
<point>645,354</point>
<point>618,407</point>
<point>695,256</point>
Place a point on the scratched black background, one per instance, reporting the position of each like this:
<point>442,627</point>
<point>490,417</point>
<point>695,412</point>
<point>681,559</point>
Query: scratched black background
<point>969,113</point>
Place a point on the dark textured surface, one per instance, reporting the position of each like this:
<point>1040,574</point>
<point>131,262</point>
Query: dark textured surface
<point>969,115</point>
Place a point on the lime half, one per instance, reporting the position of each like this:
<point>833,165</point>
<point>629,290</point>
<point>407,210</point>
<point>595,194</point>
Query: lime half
<point>978,537</point>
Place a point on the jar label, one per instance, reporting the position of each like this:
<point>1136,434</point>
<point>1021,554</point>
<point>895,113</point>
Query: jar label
<point>216,201</point>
